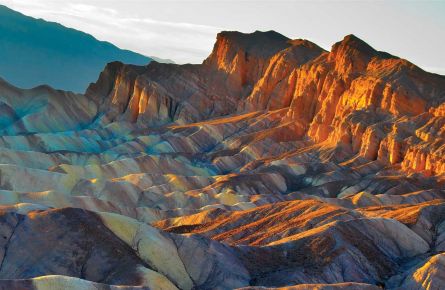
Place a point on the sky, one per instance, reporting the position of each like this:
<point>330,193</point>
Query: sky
<point>185,31</point>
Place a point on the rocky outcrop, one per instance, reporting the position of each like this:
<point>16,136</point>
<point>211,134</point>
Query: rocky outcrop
<point>242,58</point>
<point>377,105</point>
<point>355,94</point>
<point>162,93</point>
<point>276,87</point>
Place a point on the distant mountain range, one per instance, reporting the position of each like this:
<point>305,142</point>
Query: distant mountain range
<point>34,52</point>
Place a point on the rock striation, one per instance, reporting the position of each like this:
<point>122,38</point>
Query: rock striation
<point>273,164</point>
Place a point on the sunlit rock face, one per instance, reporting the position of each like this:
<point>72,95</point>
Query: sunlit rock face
<point>274,164</point>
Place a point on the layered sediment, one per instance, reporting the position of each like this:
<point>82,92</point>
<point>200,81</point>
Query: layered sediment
<point>275,163</point>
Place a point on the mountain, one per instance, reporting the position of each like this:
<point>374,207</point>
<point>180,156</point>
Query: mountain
<point>162,60</point>
<point>274,163</point>
<point>34,52</point>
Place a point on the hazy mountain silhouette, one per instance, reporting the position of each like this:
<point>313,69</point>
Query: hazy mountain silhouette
<point>34,51</point>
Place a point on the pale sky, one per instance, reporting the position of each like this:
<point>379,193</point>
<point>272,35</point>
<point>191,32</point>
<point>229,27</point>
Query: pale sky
<point>185,30</point>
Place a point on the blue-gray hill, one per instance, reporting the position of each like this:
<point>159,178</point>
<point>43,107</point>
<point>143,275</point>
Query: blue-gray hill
<point>34,51</point>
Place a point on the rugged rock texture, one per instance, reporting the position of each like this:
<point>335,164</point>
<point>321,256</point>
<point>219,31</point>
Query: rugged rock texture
<point>275,163</point>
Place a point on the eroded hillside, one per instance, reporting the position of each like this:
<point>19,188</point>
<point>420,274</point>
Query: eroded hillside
<point>274,163</point>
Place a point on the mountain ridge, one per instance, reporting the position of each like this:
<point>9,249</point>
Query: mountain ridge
<point>35,51</point>
<point>355,77</point>
<point>271,165</point>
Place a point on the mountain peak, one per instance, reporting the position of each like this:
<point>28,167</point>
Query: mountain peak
<point>257,35</point>
<point>351,44</point>
<point>258,43</point>
<point>351,54</point>
<point>244,56</point>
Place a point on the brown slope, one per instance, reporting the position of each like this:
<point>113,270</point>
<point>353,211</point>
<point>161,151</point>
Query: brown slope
<point>259,226</point>
<point>314,241</point>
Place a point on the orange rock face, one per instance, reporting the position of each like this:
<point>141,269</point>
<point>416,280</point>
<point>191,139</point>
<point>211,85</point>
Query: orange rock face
<point>241,58</point>
<point>376,105</point>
